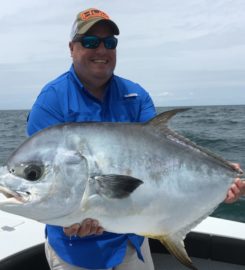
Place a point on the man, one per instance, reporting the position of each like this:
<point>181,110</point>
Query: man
<point>90,91</point>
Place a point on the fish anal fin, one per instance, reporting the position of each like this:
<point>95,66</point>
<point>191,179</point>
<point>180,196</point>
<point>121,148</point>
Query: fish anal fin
<point>175,245</point>
<point>115,186</point>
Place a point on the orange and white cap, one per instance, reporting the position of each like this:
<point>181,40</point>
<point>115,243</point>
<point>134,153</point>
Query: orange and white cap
<point>87,18</point>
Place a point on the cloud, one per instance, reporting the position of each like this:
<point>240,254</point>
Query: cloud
<point>164,94</point>
<point>171,47</point>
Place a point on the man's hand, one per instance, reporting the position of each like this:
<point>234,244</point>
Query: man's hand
<point>86,227</point>
<point>236,190</point>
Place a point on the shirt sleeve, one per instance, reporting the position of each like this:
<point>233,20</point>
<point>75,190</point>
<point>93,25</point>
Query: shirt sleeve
<point>45,112</point>
<point>148,110</point>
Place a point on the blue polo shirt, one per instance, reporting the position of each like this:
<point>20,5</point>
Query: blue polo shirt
<point>66,100</point>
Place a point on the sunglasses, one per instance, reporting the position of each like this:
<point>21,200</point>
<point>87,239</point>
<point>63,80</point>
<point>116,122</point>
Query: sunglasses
<point>93,42</point>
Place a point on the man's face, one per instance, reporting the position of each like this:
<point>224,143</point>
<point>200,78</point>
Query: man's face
<point>93,64</point>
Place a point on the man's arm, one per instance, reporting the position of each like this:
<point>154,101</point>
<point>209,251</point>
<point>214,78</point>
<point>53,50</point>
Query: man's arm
<point>45,112</point>
<point>148,110</point>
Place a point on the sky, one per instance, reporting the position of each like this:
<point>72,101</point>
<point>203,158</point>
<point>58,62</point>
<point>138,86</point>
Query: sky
<point>184,53</point>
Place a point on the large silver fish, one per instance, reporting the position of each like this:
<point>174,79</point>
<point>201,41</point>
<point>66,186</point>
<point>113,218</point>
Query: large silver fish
<point>132,177</point>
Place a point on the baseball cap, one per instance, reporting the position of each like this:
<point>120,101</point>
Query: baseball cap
<point>89,17</point>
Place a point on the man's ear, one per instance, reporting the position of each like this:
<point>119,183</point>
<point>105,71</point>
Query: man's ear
<point>71,45</point>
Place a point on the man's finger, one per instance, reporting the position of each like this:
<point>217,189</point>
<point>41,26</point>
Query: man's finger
<point>72,230</point>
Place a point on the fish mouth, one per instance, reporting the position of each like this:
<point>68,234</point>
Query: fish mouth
<point>11,196</point>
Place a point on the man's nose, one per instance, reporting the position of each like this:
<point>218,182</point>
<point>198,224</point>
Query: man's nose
<point>102,47</point>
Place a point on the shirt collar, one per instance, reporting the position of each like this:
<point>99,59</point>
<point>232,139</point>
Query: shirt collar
<point>72,70</point>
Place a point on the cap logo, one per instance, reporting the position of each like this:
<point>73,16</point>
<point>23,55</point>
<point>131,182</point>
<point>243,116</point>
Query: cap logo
<point>93,13</point>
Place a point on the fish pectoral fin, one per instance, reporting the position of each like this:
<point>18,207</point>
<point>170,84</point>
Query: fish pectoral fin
<point>175,245</point>
<point>116,186</point>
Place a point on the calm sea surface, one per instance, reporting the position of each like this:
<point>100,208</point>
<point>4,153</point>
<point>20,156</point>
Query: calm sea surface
<point>219,128</point>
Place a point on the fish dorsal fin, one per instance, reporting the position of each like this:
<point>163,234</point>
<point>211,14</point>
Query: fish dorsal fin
<point>158,127</point>
<point>161,120</point>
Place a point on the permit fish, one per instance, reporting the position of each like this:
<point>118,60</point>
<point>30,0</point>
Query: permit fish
<point>141,178</point>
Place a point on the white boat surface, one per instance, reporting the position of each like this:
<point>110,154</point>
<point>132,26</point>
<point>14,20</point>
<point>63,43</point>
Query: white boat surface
<point>18,233</point>
<point>213,244</point>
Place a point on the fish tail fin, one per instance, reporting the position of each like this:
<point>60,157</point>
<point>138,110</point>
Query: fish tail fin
<point>177,248</point>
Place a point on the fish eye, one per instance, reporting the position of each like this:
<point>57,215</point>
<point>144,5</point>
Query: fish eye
<point>33,172</point>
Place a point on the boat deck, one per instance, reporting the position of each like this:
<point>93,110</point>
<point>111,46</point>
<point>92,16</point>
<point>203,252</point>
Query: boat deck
<point>214,245</point>
<point>34,258</point>
<point>167,262</point>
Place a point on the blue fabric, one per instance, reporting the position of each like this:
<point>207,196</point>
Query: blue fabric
<point>66,100</point>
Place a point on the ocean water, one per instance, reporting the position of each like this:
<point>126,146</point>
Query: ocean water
<point>218,128</point>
